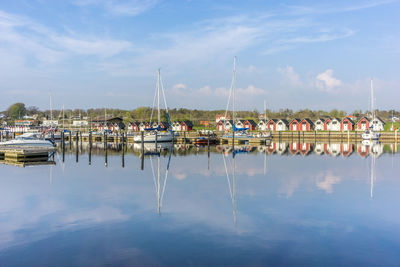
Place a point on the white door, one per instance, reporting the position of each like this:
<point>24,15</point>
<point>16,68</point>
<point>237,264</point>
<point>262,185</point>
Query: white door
<point>294,127</point>
<point>345,126</point>
<point>304,127</point>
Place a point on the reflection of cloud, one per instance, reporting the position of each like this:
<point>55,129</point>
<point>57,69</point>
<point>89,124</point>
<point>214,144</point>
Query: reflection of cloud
<point>328,181</point>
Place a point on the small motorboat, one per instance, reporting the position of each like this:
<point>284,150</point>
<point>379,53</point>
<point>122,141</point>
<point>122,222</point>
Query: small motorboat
<point>370,135</point>
<point>29,139</point>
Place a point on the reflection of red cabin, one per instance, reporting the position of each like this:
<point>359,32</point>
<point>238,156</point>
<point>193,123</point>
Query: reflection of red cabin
<point>250,124</point>
<point>347,124</point>
<point>363,151</point>
<point>294,148</point>
<point>326,149</point>
<point>271,125</point>
<point>295,125</point>
<point>346,149</point>
<point>327,121</point>
<point>306,125</point>
<point>271,148</point>
<point>363,124</point>
<point>305,149</point>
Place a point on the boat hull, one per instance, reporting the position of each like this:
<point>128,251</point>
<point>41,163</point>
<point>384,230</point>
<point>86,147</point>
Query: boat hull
<point>151,138</point>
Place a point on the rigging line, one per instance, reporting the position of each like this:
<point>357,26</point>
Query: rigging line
<point>154,104</point>
<point>227,177</point>
<point>166,175</point>
<point>231,89</point>
<point>163,93</point>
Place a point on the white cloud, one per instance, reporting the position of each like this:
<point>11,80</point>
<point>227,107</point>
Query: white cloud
<point>98,47</point>
<point>326,82</point>
<point>290,75</point>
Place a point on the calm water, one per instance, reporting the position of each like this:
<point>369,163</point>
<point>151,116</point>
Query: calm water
<point>306,205</point>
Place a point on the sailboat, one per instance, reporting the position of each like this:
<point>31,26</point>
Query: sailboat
<point>157,134</point>
<point>371,134</point>
<point>237,132</point>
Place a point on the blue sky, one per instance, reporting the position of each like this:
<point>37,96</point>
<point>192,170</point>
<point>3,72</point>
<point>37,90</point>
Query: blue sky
<point>293,54</point>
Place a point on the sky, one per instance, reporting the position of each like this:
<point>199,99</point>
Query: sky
<point>291,54</point>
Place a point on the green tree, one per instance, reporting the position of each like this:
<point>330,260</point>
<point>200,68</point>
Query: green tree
<point>16,110</point>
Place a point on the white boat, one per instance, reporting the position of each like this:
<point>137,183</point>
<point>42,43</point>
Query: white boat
<point>29,139</point>
<point>371,134</point>
<point>157,134</point>
<point>151,137</point>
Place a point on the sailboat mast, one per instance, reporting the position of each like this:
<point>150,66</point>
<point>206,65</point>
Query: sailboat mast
<point>51,110</point>
<point>158,97</point>
<point>63,118</point>
<point>233,90</point>
<point>265,111</point>
<point>372,100</point>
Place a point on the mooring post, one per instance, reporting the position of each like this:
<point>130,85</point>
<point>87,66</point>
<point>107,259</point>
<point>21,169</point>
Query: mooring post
<point>123,152</point>
<point>303,136</point>
<point>70,140</point>
<point>90,154</point>
<point>329,137</point>
<point>233,143</point>
<point>156,141</point>
<point>142,153</point>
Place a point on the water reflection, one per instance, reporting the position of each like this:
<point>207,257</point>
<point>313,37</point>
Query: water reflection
<point>316,200</point>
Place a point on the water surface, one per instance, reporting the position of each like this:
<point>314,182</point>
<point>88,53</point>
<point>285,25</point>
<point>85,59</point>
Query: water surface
<point>273,205</point>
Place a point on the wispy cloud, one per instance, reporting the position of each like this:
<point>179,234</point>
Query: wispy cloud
<point>325,9</point>
<point>121,7</point>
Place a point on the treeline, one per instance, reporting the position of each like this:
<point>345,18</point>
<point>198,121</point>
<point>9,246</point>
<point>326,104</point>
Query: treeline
<point>19,110</point>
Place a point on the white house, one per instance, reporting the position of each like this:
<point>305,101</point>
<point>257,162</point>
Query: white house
<point>80,123</point>
<point>262,125</point>
<point>176,126</point>
<point>319,124</point>
<point>50,123</point>
<point>334,125</point>
<point>282,125</point>
<point>377,124</point>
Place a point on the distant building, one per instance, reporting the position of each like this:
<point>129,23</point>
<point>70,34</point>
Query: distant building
<point>363,124</point>
<point>378,124</point>
<point>134,126</point>
<point>221,117</point>
<point>205,123</point>
<point>306,125</point>
<point>262,125</point>
<point>347,124</point>
<point>224,125</point>
<point>319,124</point>
<point>80,123</point>
<point>282,125</point>
<point>294,125</point>
<point>334,124</point>
<point>50,123</point>
<point>24,122</point>
<point>271,125</point>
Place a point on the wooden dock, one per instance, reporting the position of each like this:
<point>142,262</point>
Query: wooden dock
<point>25,154</point>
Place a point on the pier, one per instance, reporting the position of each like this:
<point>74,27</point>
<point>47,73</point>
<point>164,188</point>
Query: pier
<point>26,156</point>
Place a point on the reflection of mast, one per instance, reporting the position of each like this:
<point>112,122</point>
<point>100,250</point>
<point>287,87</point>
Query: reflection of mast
<point>157,182</point>
<point>372,174</point>
<point>232,188</point>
